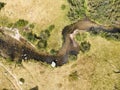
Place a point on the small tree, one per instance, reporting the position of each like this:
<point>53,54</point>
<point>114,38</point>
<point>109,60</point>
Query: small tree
<point>30,36</point>
<point>85,46</point>
<point>63,7</point>
<point>51,27</point>
<point>42,44</point>
<point>53,52</point>
<point>2,4</point>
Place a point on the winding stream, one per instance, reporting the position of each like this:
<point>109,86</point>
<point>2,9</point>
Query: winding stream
<point>17,48</point>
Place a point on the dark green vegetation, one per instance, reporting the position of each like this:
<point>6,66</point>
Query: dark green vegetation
<point>22,80</point>
<point>40,39</point>
<point>85,46</point>
<point>43,37</point>
<point>106,12</point>
<point>81,39</point>
<point>2,4</point>
<point>77,9</point>
<point>109,35</point>
<point>21,23</point>
<point>53,52</point>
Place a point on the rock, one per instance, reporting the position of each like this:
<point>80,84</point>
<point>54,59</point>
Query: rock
<point>53,64</point>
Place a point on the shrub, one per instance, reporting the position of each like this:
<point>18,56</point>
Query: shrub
<point>96,31</point>
<point>63,7</point>
<point>53,52</point>
<point>21,23</point>
<point>44,35</point>
<point>34,88</point>
<point>22,80</point>
<point>85,46</point>
<point>2,4</point>
<point>10,25</point>
<point>42,44</point>
<point>51,27</point>
<point>112,36</point>
<point>73,76</point>
<point>105,34</point>
<point>30,36</point>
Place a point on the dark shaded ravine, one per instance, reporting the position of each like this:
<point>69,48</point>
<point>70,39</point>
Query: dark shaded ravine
<point>22,50</point>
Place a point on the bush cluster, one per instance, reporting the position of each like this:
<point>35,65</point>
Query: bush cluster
<point>21,23</point>
<point>43,37</point>
<point>101,11</point>
<point>104,11</point>
<point>77,9</point>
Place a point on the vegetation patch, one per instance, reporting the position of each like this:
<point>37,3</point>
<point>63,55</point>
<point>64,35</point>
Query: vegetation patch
<point>2,4</point>
<point>80,37</point>
<point>109,35</point>
<point>72,57</point>
<point>77,10</point>
<point>104,11</point>
<point>43,37</point>
<point>21,23</point>
<point>63,6</point>
<point>85,46</point>
<point>53,52</point>
<point>73,76</point>
<point>22,80</point>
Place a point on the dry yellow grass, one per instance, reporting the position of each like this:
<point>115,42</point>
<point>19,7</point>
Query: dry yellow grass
<point>38,11</point>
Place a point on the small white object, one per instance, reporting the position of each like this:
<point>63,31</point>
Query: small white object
<point>25,55</point>
<point>53,64</point>
<point>26,58</point>
<point>20,82</point>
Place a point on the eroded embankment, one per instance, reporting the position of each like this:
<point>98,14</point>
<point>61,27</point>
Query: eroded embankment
<point>18,48</point>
